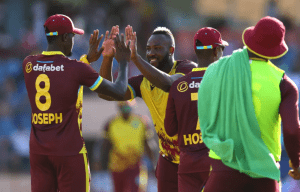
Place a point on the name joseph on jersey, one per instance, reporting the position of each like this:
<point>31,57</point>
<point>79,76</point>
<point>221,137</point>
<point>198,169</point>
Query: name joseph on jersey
<point>47,118</point>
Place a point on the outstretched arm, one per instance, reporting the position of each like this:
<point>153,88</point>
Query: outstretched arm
<point>108,54</point>
<point>118,89</point>
<point>158,78</point>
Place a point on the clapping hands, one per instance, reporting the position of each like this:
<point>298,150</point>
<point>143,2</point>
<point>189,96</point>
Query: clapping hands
<point>122,51</point>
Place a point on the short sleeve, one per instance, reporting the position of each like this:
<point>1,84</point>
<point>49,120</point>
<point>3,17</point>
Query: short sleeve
<point>185,66</point>
<point>88,76</point>
<point>134,84</point>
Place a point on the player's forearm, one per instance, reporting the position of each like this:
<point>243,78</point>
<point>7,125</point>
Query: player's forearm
<point>106,68</point>
<point>158,78</point>
<point>121,83</point>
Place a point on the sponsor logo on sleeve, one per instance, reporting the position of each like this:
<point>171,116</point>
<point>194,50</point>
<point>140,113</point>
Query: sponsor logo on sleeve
<point>28,67</point>
<point>182,86</point>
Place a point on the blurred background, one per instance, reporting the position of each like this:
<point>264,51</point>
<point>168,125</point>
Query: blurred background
<point>22,34</point>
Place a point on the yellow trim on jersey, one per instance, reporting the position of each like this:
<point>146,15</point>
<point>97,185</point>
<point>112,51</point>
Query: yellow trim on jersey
<point>83,58</point>
<point>257,59</point>
<point>180,74</point>
<point>132,92</point>
<point>52,53</point>
<point>199,69</point>
<point>87,173</point>
<point>267,57</point>
<point>96,84</point>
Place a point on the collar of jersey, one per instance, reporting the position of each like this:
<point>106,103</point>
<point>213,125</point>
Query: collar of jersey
<point>52,53</point>
<point>174,67</point>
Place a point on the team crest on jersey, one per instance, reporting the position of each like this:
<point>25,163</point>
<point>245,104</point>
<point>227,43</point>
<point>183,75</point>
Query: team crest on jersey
<point>28,67</point>
<point>182,86</point>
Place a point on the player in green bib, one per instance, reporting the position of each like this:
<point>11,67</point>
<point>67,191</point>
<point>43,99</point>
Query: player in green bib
<point>246,97</point>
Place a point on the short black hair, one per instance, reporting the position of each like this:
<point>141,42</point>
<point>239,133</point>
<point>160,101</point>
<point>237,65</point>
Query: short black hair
<point>164,31</point>
<point>50,39</point>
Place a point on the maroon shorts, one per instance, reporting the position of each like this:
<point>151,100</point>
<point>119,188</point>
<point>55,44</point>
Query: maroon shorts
<point>188,182</point>
<point>166,174</point>
<point>224,178</point>
<point>59,173</point>
<point>127,180</point>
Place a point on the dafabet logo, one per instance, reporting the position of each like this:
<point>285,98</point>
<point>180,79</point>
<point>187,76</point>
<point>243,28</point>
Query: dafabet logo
<point>182,86</point>
<point>28,67</point>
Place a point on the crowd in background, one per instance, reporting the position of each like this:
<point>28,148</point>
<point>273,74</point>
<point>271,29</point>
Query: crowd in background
<point>22,34</point>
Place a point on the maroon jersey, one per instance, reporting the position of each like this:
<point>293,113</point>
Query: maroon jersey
<point>54,89</point>
<point>181,113</point>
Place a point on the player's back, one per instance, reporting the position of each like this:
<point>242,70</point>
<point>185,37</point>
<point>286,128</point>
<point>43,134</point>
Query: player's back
<point>184,92</point>
<point>53,82</point>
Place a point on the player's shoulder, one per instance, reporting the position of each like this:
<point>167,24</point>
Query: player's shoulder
<point>137,77</point>
<point>30,58</point>
<point>186,63</point>
<point>185,66</point>
<point>195,73</point>
<point>73,61</point>
<point>136,80</point>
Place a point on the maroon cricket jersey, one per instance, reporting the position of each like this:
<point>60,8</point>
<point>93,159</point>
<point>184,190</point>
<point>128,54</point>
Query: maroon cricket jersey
<point>182,118</point>
<point>53,83</point>
<point>181,114</point>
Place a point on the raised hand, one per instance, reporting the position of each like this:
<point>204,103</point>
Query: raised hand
<point>294,173</point>
<point>122,51</point>
<point>108,44</point>
<point>131,36</point>
<point>94,53</point>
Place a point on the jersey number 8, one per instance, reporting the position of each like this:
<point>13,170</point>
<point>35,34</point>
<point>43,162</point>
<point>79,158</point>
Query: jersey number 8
<point>42,92</point>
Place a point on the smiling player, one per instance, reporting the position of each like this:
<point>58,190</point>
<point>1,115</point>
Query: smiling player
<point>158,74</point>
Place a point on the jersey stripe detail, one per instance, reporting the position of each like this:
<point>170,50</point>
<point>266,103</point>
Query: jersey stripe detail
<point>199,69</point>
<point>180,74</point>
<point>44,61</point>
<point>87,173</point>
<point>132,91</point>
<point>83,58</point>
<point>196,77</point>
<point>96,84</point>
<point>52,53</point>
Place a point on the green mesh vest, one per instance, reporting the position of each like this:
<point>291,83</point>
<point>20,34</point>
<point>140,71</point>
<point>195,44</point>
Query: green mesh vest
<point>266,78</point>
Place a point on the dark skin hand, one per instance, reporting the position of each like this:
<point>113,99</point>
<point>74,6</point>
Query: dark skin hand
<point>94,53</point>
<point>295,172</point>
<point>118,89</point>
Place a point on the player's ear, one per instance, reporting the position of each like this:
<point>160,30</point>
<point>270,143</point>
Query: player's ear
<point>65,37</point>
<point>171,50</point>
